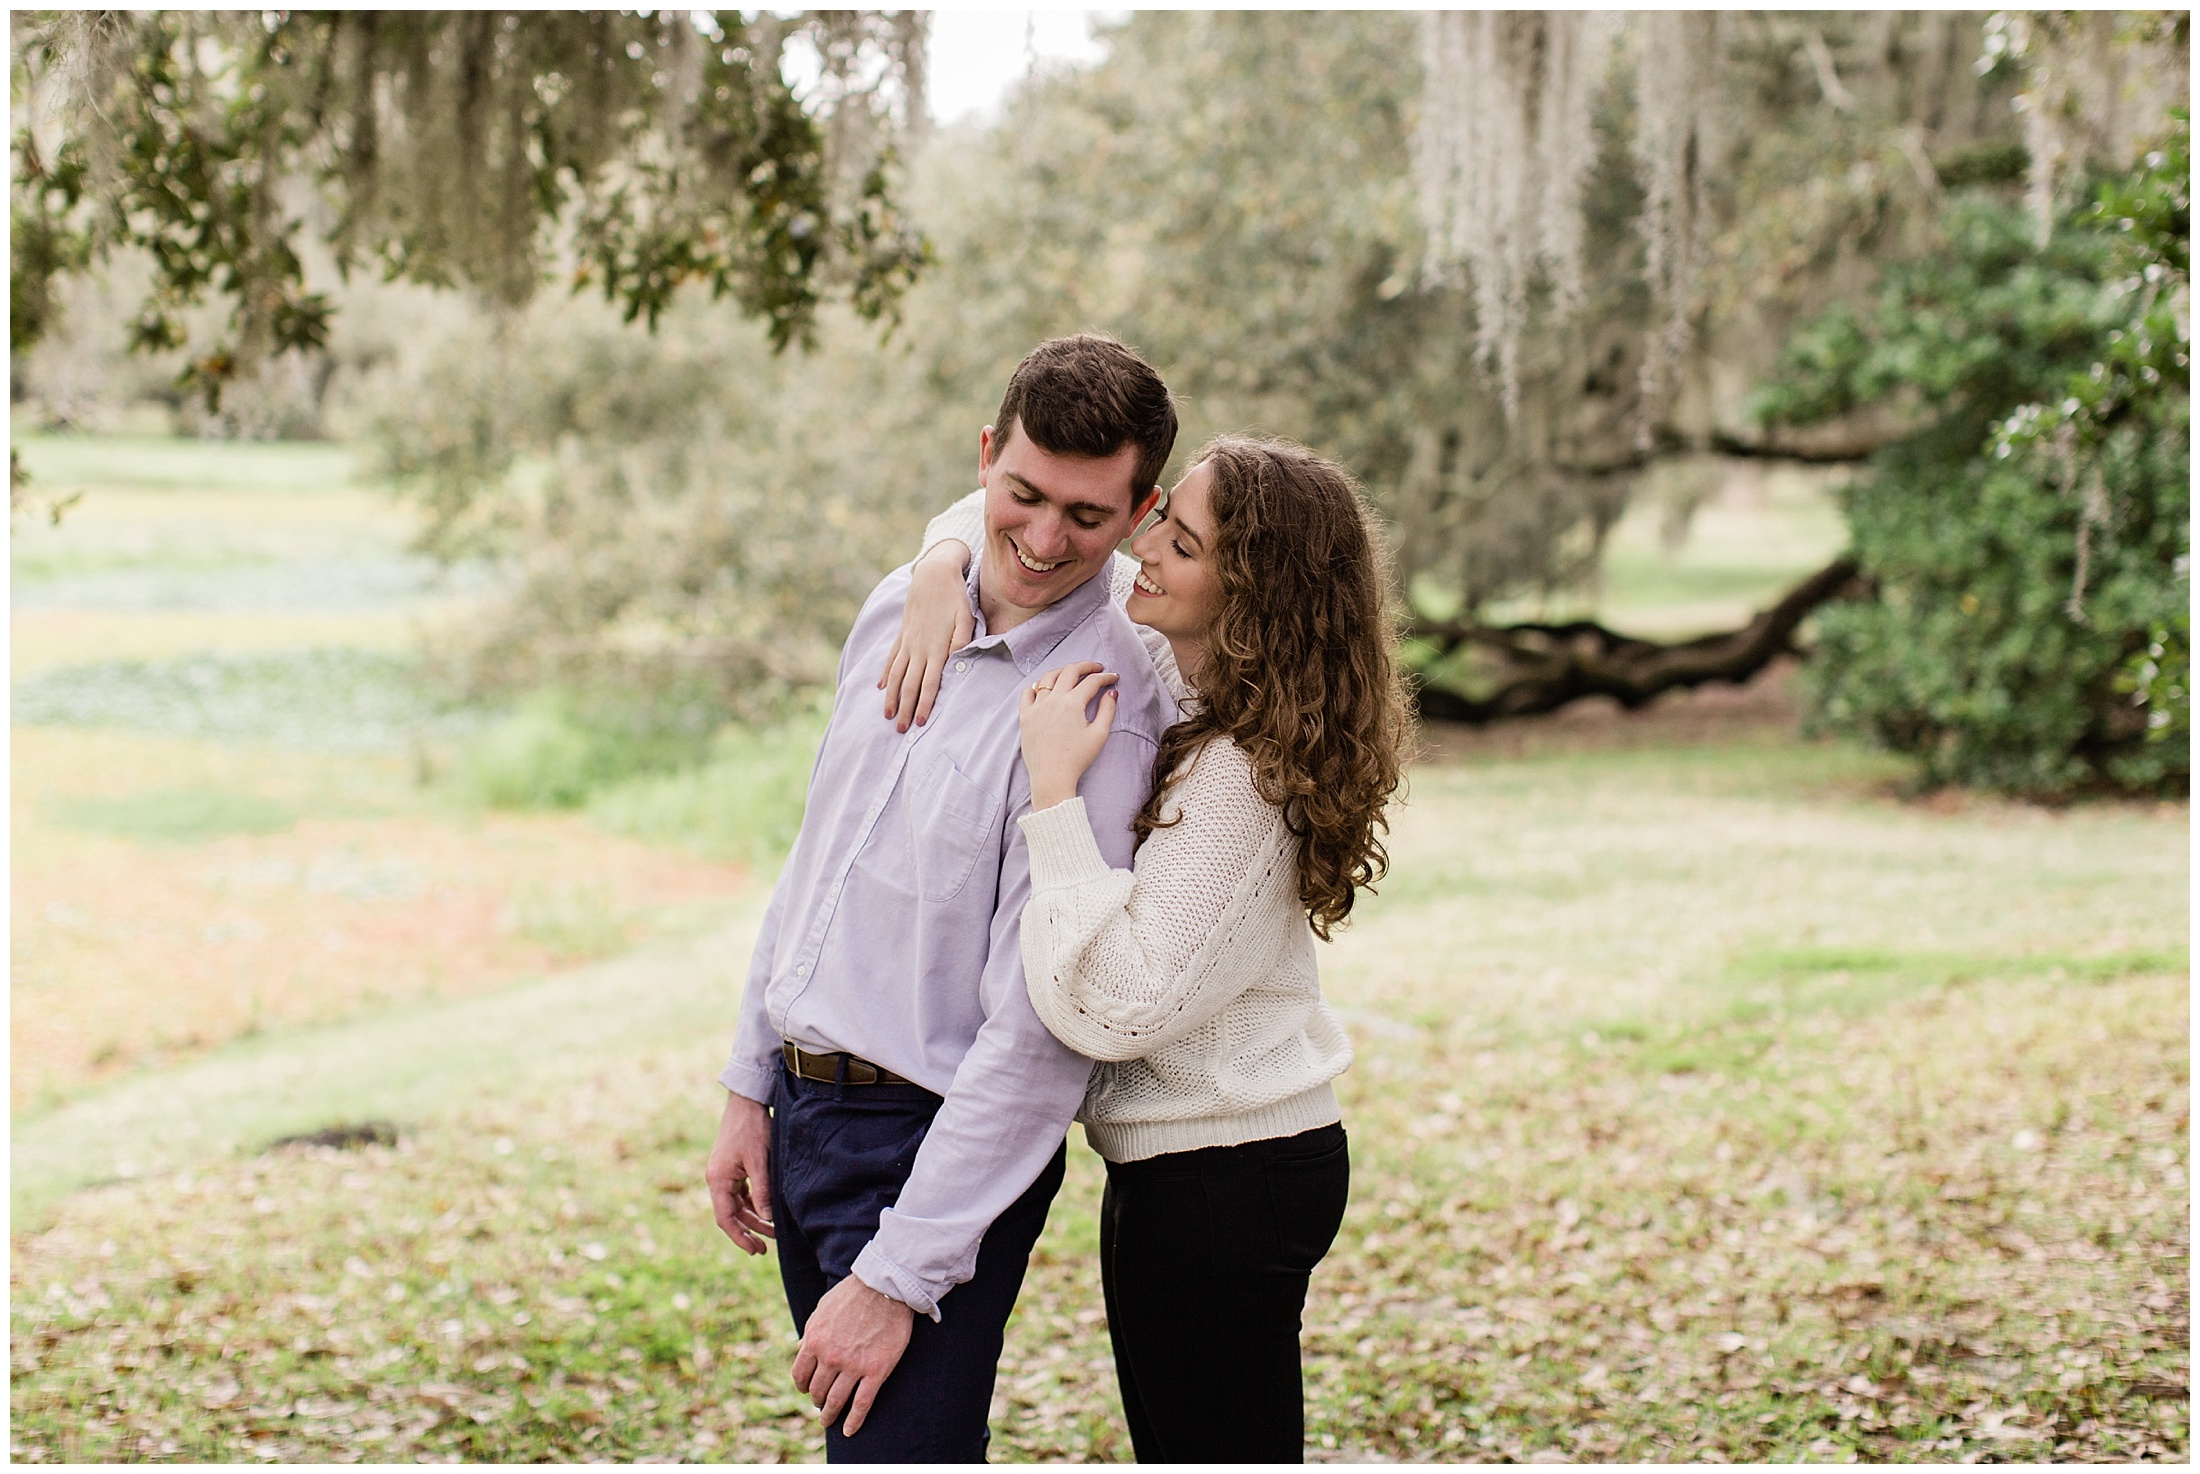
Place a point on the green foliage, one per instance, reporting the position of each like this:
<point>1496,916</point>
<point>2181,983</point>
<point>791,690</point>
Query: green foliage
<point>737,797</point>
<point>745,803</point>
<point>450,147</point>
<point>2134,400</point>
<point>537,759</point>
<point>689,520</point>
<point>561,746</point>
<point>2159,680</point>
<point>2029,537</point>
<point>695,513</point>
<point>44,240</point>
<point>1233,194</point>
<point>1997,161</point>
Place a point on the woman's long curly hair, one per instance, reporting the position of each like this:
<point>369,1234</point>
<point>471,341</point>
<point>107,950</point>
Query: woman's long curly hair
<point>1298,669</point>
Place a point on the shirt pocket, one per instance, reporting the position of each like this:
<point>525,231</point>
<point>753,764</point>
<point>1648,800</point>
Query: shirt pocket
<point>951,820</point>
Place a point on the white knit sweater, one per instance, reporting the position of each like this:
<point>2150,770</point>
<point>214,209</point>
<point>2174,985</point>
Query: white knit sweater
<point>1192,978</point>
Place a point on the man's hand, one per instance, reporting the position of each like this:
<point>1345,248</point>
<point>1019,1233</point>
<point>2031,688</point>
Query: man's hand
<point>739,1174</point>
<point>935,619</point>
<point>853,1342</point>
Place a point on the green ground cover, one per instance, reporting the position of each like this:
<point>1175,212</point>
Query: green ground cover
<point>1710,1103</point>
<point>59,464</point>
<point>209,509</point>
<point>340,700</point>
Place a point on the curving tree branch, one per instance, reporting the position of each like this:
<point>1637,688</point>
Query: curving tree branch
<point>1549,665</point>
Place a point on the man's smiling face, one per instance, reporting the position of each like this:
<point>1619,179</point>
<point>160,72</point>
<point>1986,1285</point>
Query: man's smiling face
<point>1050,522</point>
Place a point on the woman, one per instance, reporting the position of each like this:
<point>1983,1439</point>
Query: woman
<point>1193,978</point>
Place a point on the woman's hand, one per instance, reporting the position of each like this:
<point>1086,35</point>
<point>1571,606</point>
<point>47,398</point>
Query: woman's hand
<point>935,619</point>
<point>1059,744</point>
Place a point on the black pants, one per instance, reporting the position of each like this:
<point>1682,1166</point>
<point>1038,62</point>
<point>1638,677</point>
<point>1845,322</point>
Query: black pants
<point>1205,1258</point>
<point>840,1155</point>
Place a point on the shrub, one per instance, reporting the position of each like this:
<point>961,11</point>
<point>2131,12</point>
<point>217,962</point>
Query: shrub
<point>563,746</point>
<point>744,804</point>
<point>533,759</point>
<point>2029,540</point>
<point>738,795</point>
<point>682,519</point>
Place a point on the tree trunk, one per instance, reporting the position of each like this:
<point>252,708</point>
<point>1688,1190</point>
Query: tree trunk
<point>1549,665</point>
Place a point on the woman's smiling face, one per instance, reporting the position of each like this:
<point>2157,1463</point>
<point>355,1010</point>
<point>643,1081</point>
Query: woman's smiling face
<point>1177,592</point>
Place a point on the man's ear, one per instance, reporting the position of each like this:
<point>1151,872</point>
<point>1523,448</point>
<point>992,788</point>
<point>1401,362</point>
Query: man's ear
<point>985,451</point>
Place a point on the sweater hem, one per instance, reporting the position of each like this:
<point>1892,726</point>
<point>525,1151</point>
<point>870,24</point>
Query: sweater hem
<point>1134,1141</point>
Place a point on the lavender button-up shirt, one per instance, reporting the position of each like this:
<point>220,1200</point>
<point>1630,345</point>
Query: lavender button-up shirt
<point>893,933</point>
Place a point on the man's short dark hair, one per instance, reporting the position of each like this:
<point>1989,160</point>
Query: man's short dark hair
<point>1088,395</point>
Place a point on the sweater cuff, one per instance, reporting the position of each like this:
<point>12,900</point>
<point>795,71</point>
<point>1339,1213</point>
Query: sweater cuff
<point>895,1283</point>
<point>964,522</point>
<point>1063,851</point>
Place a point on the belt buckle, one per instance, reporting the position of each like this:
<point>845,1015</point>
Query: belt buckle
<point>821,1068</point>
<point>837,1068</point>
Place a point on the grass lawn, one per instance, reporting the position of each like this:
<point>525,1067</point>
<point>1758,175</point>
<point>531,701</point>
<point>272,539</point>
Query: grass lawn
<point>237,809</point>
<point>1710,1103</point>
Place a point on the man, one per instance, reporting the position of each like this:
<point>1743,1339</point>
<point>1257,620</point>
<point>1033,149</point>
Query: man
<point>916,1105</point>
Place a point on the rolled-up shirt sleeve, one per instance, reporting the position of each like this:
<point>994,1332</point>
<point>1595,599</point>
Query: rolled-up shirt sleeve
<point>1018,1087</point>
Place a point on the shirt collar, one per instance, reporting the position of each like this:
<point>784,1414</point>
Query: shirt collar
<point>1035,639</point>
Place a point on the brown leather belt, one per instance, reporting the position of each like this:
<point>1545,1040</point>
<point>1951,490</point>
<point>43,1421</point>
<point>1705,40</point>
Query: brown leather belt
<point>836,1069</point>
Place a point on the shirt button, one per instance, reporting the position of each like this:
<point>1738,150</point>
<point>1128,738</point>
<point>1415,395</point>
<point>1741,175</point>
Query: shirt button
<point>803,971</point>
<point>961,665</point>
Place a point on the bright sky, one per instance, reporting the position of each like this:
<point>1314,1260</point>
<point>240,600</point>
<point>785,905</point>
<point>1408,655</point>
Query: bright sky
<point>975,56</point>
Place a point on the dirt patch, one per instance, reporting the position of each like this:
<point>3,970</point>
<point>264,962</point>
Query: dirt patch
<point>128,954</point>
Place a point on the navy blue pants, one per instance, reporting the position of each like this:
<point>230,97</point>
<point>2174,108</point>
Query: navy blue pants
<point>840,1154</point>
